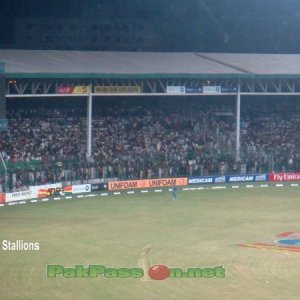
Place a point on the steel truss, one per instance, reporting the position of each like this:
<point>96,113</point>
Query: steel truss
<point>27,87</point>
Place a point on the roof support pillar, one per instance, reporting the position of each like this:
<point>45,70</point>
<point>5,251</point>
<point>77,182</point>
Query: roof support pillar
<point>238,124</point>
<point>89,123</point>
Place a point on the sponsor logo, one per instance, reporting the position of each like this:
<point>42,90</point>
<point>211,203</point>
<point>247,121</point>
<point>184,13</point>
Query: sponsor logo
<point>117,89</point>
<point>262,177</point>
<point>211,89</point>
<point>221,179</point>
<point>146,183</point>
<point>83,188</point>
<point>176,89</point>
<point>241,178</point>
<point>201,180</point>
<point>192,90</point>
<point>24,195</point>
<point>284,177</point>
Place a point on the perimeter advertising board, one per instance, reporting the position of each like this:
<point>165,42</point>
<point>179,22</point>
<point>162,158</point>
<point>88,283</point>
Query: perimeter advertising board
<point>81,188</point>
<point>134,89</point>
<point>284,177</point>
<point>2,198</point>
<point>228,178</point>
<point>247,178</point>
<point>78,89</point>
<point>176,89</point>
<point>24,195</point>
<point>147,183</point>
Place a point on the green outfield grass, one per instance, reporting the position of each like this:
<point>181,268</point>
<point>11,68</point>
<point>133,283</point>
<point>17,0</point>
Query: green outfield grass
<point>200,229</point>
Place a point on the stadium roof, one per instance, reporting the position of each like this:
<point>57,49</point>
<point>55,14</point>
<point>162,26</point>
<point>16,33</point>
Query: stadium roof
<point>92,64</point>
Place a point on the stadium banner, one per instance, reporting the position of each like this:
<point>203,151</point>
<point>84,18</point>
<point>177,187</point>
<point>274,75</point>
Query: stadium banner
<point>134,89</point>
<point>147,183</point>
<point>284,177</point>
<point>18,196</point>
<point>79,89</point>
<point>175,89</point>
<point>246,178</point>
<point>202,179</point>
<point>2,198</point>
<point>193,90</point>
<point>228,178</point>
<point>229,89</point>
<point>213,89</point>
<point>82,188</point>
<point>98,187</point>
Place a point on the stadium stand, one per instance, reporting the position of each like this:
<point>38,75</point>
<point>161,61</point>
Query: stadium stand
<point>132,139</point>
<point>141,140</point>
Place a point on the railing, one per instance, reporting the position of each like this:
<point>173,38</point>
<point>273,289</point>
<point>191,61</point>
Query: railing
<point>16,176</point>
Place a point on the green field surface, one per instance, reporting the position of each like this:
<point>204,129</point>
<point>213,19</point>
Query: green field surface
<point>200,229</point>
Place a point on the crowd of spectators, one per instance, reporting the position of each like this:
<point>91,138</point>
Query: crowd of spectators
<point>145,139</point>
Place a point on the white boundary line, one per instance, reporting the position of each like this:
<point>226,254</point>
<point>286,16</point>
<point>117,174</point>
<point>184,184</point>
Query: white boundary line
<point>156,191</point>
<point>219,187</point>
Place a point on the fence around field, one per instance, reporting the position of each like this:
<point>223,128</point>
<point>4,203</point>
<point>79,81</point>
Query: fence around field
<point>16,176</point>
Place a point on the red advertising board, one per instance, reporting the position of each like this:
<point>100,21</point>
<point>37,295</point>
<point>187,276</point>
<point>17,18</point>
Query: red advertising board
<point>2,198</point>
<point>284,177</point>
<point>68,89</point>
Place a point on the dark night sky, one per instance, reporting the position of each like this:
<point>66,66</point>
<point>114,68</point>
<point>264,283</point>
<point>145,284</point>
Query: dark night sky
<point>270,26</point>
